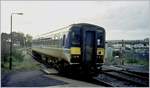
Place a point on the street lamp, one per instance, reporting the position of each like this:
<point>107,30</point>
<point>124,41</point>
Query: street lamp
<point>11,44</point>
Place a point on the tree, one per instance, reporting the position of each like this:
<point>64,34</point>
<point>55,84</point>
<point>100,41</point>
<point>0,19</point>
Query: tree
<point>18,40</point>
<point>5,47</point>
<point>28,40</point>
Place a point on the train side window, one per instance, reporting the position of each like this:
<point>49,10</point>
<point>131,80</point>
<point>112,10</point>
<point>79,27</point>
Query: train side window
<point>64,36</point>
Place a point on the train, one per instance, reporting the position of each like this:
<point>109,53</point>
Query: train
<point>77,48</point>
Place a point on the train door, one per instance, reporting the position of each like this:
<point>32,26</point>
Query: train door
<point>89,47</point>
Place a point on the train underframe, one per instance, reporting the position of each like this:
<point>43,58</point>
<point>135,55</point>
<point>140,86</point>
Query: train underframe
<point>66,68</point>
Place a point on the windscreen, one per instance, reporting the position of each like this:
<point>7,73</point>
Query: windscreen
<point>75,37</point>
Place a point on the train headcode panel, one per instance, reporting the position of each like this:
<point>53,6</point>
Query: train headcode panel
<point>75,48</point>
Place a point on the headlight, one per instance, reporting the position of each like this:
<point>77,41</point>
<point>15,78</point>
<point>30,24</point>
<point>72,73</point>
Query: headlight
<point>75,58</point>
<point>100,58</point>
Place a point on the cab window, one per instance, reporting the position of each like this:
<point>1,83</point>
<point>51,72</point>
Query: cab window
<point>75,36</point>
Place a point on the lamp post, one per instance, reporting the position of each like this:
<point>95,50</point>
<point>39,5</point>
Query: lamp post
<point>11,43</point>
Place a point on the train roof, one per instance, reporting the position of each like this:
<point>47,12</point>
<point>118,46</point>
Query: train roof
<point>88,24</point>
<point>66,28</point>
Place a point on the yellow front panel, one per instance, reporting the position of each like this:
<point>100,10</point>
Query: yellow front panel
<point>100,51</point>
<point>75,50</point>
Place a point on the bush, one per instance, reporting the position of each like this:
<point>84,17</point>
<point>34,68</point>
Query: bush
<point>17,57</point>
<point>132,61</point>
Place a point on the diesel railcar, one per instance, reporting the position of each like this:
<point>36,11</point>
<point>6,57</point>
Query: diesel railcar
<point>75,48</point>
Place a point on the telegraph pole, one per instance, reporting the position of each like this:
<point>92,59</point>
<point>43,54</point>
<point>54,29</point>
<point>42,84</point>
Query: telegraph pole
<point>10,61</point>
<point>11,41</point>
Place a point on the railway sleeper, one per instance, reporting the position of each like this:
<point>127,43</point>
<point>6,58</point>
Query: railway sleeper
<point>134,75</point>
<point>141,84</point>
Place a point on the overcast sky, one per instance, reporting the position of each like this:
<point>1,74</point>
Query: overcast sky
<point>121,19</point>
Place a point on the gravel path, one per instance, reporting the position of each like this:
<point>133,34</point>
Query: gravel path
<point>30,78</point>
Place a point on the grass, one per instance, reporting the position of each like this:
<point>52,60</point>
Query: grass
<point>137,62</point>
<point>130,61</point>
<point>21,61</point>
<point>28,63</point>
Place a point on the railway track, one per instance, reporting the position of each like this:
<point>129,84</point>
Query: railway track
<point>111,78</point>
<point>141,72</point>
<point>122,79</point>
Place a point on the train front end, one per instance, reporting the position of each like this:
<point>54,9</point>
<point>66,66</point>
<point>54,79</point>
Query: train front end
<point>87,47</point>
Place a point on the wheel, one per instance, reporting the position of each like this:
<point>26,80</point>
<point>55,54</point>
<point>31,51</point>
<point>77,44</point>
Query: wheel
<point>63,67</point>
